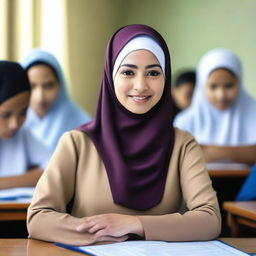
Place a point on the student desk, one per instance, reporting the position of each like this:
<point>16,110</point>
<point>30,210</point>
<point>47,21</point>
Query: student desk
<point>227,179</point>
<point>10,210</point>
<point>228,173</point>
<point>30,247</point>
<point>243,213</point>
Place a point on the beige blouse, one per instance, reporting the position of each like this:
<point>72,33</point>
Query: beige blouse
<point>76,172</point>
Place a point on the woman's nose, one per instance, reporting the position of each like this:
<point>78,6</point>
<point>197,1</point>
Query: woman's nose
<point>14,123</point>
<point>140,83</point>
<point>38,94</point>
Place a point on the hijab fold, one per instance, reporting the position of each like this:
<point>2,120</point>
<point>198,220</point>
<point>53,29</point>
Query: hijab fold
<point>135,148</point>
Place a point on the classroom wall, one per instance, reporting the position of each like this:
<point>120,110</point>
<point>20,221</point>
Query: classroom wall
<point>90,24</point>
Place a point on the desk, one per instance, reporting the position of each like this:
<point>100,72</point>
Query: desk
<point>240,213</point>
<point>229,173</point>
<point>30,247</point>
<point>10,210</point>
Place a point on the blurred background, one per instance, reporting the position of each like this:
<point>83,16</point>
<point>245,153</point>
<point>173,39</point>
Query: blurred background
<point>77,32</point>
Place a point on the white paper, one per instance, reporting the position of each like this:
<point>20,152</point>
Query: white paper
<point>159,248</point>
<point>22,194</point>
<point>226,166</point>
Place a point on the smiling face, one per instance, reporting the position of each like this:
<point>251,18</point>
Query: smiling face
<point>45,88</point>
<point>139,82</point>
<point>222,88</point>
<point>13,114</point>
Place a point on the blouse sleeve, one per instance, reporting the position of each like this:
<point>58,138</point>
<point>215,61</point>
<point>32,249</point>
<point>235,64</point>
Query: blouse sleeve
<point>202,221</point>
<point>47,215</point>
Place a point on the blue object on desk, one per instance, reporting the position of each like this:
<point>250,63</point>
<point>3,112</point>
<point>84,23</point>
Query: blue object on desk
<point>14,194</point>
<point>248,190</point>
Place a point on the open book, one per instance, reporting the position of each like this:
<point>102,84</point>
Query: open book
<point>159,248</point>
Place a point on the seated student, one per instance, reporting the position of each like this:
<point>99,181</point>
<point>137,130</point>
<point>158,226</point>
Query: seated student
<point>22,157</point>
<point>126,172</point>
<point>182,90</point>
<point>222,115</point>
<point>51,111</point>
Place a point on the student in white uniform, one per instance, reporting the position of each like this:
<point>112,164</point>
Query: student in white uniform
<point>222,116</point>
<point>51,111</point>
<point>22,156</point>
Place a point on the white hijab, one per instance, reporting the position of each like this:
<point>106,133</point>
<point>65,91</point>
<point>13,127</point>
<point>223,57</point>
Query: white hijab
<point>64,114</point>
<point>210,126</point>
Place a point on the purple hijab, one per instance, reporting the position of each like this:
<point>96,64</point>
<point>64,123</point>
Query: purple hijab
<point>135,148</point>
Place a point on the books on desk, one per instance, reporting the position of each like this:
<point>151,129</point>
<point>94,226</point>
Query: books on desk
<point>159,248</point>
<point>20,194</point>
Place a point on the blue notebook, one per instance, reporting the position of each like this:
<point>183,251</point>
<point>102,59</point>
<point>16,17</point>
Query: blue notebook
<point>159,248</point>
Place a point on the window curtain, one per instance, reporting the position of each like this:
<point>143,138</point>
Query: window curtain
<point>28,24</point>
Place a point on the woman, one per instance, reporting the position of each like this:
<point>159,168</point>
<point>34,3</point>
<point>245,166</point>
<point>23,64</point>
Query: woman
<point>22,156</point>
<point>51,111</point>
<point>222,114</point>
<point>126,172</point>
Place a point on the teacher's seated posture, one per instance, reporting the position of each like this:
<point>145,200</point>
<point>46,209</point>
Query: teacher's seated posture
<point>126,172</point>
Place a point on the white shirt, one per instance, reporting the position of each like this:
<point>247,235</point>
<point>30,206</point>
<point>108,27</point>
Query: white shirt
<point>20,153</point>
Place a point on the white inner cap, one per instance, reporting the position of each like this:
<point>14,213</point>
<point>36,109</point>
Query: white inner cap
<point>140,43</point>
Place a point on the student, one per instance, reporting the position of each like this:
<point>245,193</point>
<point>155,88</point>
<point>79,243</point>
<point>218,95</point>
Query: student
<point>182,90</point>
<point>51,111</point>
<point>22,157</point>
<point>222,114</point>
<point>125,172</point>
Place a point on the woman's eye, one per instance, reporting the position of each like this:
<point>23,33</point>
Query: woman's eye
<point>127,72</point>
<point>213,86</point>
<point>229,85</point>
<point>153,73</point>
<point>5,115</point>
<point>49,85</point>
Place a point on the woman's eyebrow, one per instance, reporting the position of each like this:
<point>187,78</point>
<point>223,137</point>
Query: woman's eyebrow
<point>135,66</point>
<point>153,66</point>
<point>129,65</point>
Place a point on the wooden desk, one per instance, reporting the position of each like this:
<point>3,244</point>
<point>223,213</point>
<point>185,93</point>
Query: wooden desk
<point>229,173</point>
<point>240,213</point>
<point>30,247</point>
<point>10,210</point>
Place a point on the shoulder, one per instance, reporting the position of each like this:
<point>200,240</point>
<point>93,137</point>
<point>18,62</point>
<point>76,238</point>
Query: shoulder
<point>184,143</point>
<point>182,136</point>
<point>75,138</point>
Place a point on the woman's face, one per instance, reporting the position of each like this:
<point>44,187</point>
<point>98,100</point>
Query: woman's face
<point>222,88</point>
<point>13,114</point>
<point>139,82</point>
<point>45,88</point>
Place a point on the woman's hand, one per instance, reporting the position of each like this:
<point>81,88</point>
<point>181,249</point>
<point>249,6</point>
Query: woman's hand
<point>111,227</point>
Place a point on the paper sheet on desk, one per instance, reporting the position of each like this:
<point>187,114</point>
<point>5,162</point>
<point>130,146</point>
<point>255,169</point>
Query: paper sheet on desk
<point>159,248</point>
<point>227,166</point>
<point>17,194</point>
